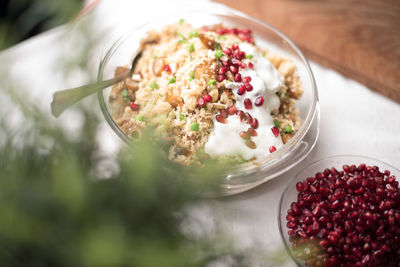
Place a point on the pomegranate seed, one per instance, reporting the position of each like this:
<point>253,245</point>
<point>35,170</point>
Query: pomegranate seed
<point>251,65</point>
<point>207,98</point>
<point>272,149</point>
<point>237,54</point>
<point>238,77</point>
<point>247,103</point>
<point>247,79</point>
<point>259,101</point>
<point>248,87</point>
<point>232,110</point>
<point>220,118</point>
<point>275,131</point>
<point>201,102</point>
<point>227,51</point>
<point>235,46</point>
<point>236,62</point>
<point>362,226</point>
<point>167,68</point>
<point>242,54</point>
<point>233,69</point>
<point>222,70</point>
<point>255,125</point>
<point>243,65</point>
<point>220,31</point>
<point>241,90</point>
<point>224,113</point>
<point>252,132</point>
<point>241,115</point>
<point>221,78</point>
<point>133,106</point>
<point>248,118</point>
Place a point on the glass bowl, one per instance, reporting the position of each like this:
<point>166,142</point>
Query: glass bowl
<point>289,195</point>
<point>245,176</point>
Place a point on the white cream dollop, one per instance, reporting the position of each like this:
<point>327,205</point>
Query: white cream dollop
<point>266,81</point>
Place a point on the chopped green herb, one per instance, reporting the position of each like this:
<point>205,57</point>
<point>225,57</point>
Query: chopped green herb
<point>194,126</point>
<point>139,117</point>
<point>153,85</point>
<point>288,129</point>
<point>126,98</point>
<point>161,95</point>
<point>182,116</point>
<point>181,21</point>
<point>222,37</point>
<point>263,53</point>
<point>182,41</point>
<point>191,75</point>
<point>219,54</point>
<point>181,35</point>
<point>172,80</point>
<point>217,46</point>
<point>276,122</point>
<point>212,82</point>
<point>124,93</point>
<point>278,94</point>
<point>286,95</point>
<point>249,56</point>
<point>155,56</point>
<point>191,48</point>
<point>194,34</point>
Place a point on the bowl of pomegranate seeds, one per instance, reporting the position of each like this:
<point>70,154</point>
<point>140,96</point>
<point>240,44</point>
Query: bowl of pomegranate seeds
<point>217,84</point>
<point>342,211</point>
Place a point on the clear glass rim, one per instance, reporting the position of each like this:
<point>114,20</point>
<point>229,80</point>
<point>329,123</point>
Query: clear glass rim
<point>243,169</point>
<point>295,178</point>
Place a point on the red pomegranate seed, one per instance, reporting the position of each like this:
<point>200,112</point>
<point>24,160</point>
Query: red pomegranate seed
<point>227,51</point>
<point>201,102</point>
<point>275,131</point>
<point>352,213</point>
<point>241,90</point>
<point>255,123</point>
<point>251,65</point>
<point>237,54</point>
<point>232,110</point>
<point>224,113</point>
<point>233,69</point>
<point>248,87</point>
<point>133,106</point>
<point>220,118</point>
<point>236,62</point>
<point>235,46</point>
<point>241,115</point>
<point>247,103</point>
<point>222,70</point>
<point>272,149</point>
<point>242,55</point>
<point>247,79</point>
<point>248,118</point>
<point>221,78</point>
<point>242,36</point>
<point>238,78</point>
<point>259,101</point>
<point>243,65</point>
<point>220,31</point>
<point>167,68</point>
<point>207,98</point>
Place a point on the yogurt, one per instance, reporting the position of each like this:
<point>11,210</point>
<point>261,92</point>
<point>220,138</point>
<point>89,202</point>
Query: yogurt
<point>225,137</point>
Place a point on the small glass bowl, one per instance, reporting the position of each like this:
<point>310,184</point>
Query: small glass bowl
<point>245,176</point>
<point>290,193</point>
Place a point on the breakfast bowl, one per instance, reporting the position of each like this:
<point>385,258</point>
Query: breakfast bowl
<point>342,210</point>
<point>245,176</point>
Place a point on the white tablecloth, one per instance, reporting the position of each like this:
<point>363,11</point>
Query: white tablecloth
<point>354,119</point>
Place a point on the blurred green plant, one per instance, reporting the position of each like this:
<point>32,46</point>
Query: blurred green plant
<point>21,19</point>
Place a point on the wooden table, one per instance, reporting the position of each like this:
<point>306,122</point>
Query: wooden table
<point>358,38</point>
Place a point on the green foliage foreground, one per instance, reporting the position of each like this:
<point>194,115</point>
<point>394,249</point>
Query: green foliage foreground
<point>56,211</point>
